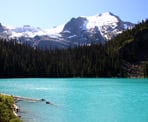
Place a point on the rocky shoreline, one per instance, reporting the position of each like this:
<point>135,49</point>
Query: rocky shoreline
<point>8,109</point>
<point>15,109</point>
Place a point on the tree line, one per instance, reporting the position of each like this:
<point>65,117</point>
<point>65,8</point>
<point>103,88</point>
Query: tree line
<point>107,60</point>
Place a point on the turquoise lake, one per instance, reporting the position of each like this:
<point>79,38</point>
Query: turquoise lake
<point>81,99</point>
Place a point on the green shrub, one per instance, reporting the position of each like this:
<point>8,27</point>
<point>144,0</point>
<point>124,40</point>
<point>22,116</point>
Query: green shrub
<point>6,111</point>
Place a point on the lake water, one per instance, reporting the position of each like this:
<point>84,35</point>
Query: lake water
<point>81,100</point>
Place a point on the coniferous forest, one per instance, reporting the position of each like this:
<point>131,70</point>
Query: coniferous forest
<point>124,56</point>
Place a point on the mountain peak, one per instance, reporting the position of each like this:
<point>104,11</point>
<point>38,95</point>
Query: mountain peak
<point>78,31</point>
<point>26,26</point>
<point>103,19</point>
<point>107,13</point>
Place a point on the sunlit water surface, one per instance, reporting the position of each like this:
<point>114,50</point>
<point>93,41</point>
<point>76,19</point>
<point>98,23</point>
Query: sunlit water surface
<point>81,99</point>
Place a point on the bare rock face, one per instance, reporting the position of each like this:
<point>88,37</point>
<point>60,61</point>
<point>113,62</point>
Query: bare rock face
<point>76,32</point>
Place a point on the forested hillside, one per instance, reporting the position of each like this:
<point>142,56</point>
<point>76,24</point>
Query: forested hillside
<point>23,61</point>
<point>114,59</point>
<point>132,46</point>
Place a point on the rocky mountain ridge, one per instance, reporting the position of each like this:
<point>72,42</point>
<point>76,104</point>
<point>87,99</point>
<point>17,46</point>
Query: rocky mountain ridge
<point>78,31</point>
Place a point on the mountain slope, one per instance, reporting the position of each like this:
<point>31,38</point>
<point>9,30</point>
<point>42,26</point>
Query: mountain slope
<point>124,56</point>
<point>78,31</point>
<point>132,46</point>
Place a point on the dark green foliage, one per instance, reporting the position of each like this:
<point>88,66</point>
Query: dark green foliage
<point>6,112</point>
<point>86,61</point>
<point>146,70</point>
<point>132,44</point>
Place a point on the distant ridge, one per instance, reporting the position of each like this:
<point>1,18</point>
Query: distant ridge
<point>126,55</point>
<point>79,31</point>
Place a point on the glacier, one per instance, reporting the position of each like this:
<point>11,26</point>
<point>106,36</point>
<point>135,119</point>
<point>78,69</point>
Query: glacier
<point>82,30</point>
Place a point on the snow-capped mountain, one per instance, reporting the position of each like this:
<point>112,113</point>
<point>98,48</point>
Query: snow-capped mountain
<point>78,31</point>
<point>107,24</point>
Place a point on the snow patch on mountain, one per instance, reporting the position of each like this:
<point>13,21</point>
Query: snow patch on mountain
<point>29,31</point>
<point>55,30</point>
<point>101,20</point>
<point>78,31</point>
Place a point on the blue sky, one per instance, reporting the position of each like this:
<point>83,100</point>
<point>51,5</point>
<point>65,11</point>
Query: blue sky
<point>49,13</point>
